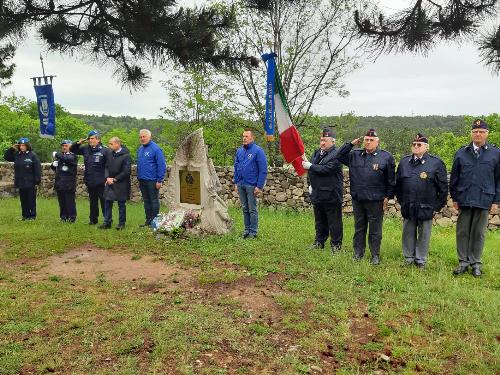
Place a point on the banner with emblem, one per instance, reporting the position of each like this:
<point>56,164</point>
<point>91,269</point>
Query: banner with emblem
<point>46,110</point>
<point>45,104</point>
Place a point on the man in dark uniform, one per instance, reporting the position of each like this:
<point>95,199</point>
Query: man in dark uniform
<point>475,190</point>
<point>421,189</point>
<point>372,181</point>
<point>118,168</point>
<point>94,159</point>
<point>27,175</point>
<point>326,191</point>
<point>65,165</point>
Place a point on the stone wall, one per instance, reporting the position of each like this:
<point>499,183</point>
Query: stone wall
<point>283,189</point>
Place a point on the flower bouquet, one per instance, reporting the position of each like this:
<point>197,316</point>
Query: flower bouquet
<point>174,223</point>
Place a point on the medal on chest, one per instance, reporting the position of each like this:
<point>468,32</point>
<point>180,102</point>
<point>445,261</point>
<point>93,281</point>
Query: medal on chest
<point>375,167</point>
<point>423,175</point>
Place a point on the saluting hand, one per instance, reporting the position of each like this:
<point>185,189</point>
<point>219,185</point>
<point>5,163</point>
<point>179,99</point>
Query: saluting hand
<point>356,141</point>
<point>81,141</point>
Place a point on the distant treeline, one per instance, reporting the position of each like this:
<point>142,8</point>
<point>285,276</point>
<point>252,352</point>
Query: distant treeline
<point>19,117</point>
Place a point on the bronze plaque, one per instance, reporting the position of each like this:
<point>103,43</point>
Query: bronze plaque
<point>190,187</point>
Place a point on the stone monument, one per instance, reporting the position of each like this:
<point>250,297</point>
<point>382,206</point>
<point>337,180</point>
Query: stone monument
<point>194,184</point>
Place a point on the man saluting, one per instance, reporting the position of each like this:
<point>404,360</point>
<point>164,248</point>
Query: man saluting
<point>372,179</point>
<point>94,159</point>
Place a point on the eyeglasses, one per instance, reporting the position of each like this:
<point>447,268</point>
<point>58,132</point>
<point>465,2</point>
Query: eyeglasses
<point>417,144</point>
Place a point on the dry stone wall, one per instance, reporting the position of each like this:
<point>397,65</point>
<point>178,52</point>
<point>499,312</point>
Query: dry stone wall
<point>283,189</point>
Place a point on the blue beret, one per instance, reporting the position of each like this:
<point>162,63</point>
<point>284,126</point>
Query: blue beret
<point>23,140</point>
<point>66,142</point>
<point>93,133</point>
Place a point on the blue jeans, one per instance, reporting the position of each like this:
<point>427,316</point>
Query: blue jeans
<point>149,194</point>
<point>108,212</point>
<point>249,205</point>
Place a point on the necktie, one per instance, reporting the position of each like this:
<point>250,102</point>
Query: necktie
<point>477,151</point>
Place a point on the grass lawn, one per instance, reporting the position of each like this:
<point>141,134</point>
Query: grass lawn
<point>224,305</point>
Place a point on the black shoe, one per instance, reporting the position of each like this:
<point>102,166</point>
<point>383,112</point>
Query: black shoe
<point>120,226</point>
<point>245,235</point>
<point>476,272</point>
<point>146,224</point>
<point>420,265</point>
<point>375,261</point>
<point>460,270</point>
<point>251,236</point>
<point>104,226</point>
<point>317,245</point>
<point>357,258</point>
<point>407,263</point>
<point>335,249</point>
<point>92,222</point>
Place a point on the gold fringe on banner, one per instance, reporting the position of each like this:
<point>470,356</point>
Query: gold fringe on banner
<point>270,138</point>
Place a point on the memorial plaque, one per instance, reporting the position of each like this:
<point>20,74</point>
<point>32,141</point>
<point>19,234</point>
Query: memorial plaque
<point>190,187</point>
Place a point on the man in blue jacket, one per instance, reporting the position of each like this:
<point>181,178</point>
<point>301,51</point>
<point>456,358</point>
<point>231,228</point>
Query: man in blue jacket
<point>250,172</point>
<point>372,179</point>
<point>151,169</point>
<point>94,159</point>
<point>326,192</point>
<point>65,165</point>
<point>475,190</point>
<point>421,189</point>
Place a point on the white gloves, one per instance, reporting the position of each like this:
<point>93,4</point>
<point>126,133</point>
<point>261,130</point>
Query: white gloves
<point>306,164</point>
<point>310,189</point>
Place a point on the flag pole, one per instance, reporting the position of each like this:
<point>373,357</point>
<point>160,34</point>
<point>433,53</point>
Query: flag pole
<point>43,68</point>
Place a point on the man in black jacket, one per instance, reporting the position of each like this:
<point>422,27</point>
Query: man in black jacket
<point>94,159</point>
<point>65,165</point>
<point>372,179</point>
<point>421,189</point>
<point>326,191</point>
<point>117,174</point>
<point>475,190</point>
<point>27,175</point>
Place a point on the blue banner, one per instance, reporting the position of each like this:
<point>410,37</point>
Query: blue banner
<point>270,88</point>
<point>46,110</point>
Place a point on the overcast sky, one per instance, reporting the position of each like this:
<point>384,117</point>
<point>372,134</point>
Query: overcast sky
<point>449,81</point>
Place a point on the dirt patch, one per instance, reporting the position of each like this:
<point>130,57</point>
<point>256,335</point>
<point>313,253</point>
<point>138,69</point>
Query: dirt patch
<point>256,297</point>
<point>364,345</point>
<point>88,262</point>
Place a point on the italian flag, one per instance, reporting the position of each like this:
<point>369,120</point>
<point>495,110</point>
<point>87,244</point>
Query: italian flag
<point>291,145</point>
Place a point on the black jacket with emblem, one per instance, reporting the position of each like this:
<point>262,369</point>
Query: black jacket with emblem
<point>94,159</point>
<point>371,175</point>
<point>66,171</point>
<point>118,166</point>
<point>326,178</point>
<point>475,182</point>
<point>27,168</point>
<point>421,186</point>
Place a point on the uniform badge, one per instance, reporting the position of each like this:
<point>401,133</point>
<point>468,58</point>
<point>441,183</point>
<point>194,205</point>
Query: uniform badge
<point>64,168</point>
<point>423,175</point>
<point>375,167</point>
<point>250,156</point>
